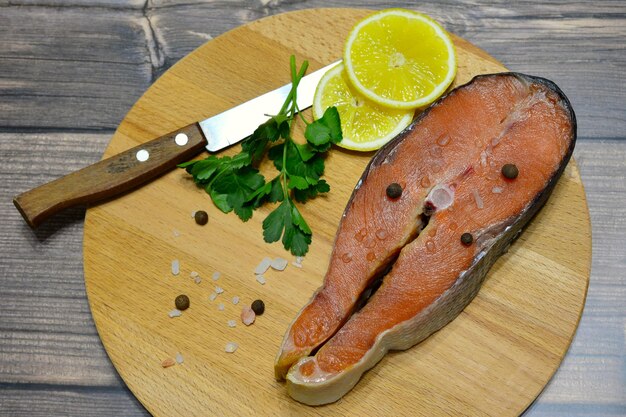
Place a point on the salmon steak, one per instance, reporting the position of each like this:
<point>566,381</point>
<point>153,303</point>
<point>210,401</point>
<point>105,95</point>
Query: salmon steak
<point>432,212</point>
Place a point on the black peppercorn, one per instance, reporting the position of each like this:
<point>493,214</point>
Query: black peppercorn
<point>467,239</point>
<point>201,217</point>
<point>182,302</point>
<point>258,307</point>
<point>510,171</point>
<point>394,190</point>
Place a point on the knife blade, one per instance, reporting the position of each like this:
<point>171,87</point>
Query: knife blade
<point>138,165</point>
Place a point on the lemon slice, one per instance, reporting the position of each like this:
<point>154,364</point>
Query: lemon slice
<point>399,59</point>
<point>366,126</point>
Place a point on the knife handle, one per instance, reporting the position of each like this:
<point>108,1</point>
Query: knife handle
<point>111,176</point>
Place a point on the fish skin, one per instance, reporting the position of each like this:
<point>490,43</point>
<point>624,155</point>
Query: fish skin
<point>330,387</point>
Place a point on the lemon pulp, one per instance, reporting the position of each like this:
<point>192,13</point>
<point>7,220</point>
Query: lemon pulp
<point>366,126</point>
<point>400,59</point>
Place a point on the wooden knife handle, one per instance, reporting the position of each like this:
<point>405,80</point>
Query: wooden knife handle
<point>111,176</point>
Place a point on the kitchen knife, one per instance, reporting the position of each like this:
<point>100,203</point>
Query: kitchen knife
<point>142,163</point>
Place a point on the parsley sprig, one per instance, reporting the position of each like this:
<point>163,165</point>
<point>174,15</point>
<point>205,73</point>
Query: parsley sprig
<point>235,184</point>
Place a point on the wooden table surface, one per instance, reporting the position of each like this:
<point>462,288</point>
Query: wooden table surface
<point>70,70</point>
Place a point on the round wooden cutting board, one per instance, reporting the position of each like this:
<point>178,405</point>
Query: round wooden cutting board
<point>494,359</point>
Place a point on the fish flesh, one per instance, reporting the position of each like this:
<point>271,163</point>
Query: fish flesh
<point>399,270</point>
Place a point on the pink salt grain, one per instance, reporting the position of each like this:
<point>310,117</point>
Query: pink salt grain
<point>168,362</point>
<point>247,316</point>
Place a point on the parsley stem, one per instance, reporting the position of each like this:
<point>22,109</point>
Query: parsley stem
<point>301,115</point>
<point>291,103</point>
<point>294,86</point>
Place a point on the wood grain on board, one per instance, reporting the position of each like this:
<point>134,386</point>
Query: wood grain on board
<point>492,360</point>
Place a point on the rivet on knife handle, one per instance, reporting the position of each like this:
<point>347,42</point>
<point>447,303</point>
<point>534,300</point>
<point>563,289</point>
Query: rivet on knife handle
<point>111,176</point>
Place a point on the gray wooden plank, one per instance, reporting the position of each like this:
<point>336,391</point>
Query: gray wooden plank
<point>72,68</point>
<point>47,332</point>
<point>589,379</point>
<point>109,4</point>
<point>45,401</point>
<point>540,409</point>
<point>183,28</point>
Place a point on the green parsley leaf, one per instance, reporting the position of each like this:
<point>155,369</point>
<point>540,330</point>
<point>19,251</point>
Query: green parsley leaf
<point>298,182</point>
<point>220,200</point>
<point>312,191</point>
<point>276,193</point>
<point>287,221</point>
<point>275,222</point>
<point>239,186</point>
<point>324,131</point>
<point>306,151</point>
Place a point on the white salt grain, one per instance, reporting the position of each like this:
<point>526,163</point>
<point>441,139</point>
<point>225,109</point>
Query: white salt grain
<point>179,358</point>
<point>232,323</point>
<point>193,214</point>
<point>263,266</point>
<point>212,297</point>
<point>497,190</point>
<point>230,347</point>
<point>193,274</point>
<point>235,300</point>
<point>279,264</point>
<point>220,307</point>
<point>260,279</point>
<point>198,280</point>
<point>175,267</point>
<point>216,276</point>
<point>175,313</point>
<point>176,233</point>
<point>219,290</point>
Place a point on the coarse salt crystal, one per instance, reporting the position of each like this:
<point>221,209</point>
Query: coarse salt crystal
<point>232,323</point>
<point>198,280</point>
<point>175,267</point>
<point>260,279</point>
<point>263,266</point>
<point>479,201</point>
<point>168,362</point>
<point>179,358</point>
<point>216,276</point>
<point>230,347</point>
<point>212,297</point>
<point>219,290</point>
<point>235,300</point>
<point>194,274</point>
<point>193,214</point>
<point>220,307</point>
<point>279,264</point>
<point>175,313</point>
<point>247,316</point>
<point>497,190</point>
<point>176,233</point>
